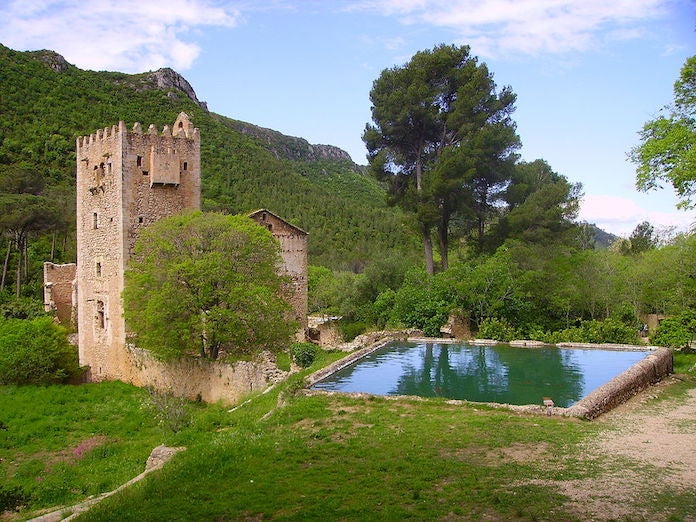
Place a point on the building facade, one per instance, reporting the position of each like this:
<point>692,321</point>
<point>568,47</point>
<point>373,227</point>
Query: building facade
<point>126,180</point>
<point>293,250</point>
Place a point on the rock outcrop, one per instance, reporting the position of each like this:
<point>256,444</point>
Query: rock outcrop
<point>167,79</point>
<point>290,147</point>
<point>52,59</point>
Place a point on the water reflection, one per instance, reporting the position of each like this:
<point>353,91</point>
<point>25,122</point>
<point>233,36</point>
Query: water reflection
<point>498,373</point>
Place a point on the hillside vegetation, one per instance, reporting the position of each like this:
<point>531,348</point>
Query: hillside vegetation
<point>47,103</point>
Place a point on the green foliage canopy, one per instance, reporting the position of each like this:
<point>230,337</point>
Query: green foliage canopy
<point>668,149</point>
<point>443,139</point>
<point>206,284</point>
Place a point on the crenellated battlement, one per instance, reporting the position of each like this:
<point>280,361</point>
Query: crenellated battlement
<point>182,129</point>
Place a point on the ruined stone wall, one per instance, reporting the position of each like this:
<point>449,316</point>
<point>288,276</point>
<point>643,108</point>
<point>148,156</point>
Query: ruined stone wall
<point>648,371</point>
<point>59,290</point>
<point>125,181</point>
<point>194,378</point>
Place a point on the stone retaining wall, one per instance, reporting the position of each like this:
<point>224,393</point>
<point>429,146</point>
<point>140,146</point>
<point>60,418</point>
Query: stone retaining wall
<point>195,378</point>
<point>369,342</point>
<point>648,371</point>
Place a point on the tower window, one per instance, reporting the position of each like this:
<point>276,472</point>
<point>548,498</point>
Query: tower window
<point>145,172</point>
<point>98,269</point>
<point>139,161</point>
<point>141,219</point>
<point>95,221</point>
<point>100,315</point>
<point>185,166</point>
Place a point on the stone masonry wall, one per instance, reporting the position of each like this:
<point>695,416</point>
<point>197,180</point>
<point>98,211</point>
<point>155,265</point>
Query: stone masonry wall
<point>293,250</point>
<point>125,181</point>
<point>200,379</point>
<point>59,290</point>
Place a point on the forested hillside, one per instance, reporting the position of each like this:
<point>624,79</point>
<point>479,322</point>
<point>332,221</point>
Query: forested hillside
<point>46,103</point>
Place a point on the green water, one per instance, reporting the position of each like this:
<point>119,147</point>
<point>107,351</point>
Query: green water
<point>499,373</point>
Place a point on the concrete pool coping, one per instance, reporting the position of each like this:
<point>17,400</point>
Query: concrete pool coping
<point>642,374</point>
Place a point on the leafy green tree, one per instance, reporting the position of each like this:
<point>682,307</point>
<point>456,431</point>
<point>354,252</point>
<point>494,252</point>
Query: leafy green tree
<point>322,288</point>
<point>35,351</point>
<point>486,287</point>
<point>442,137</point>
<point>21,214</point>
<point>668,149</point>
<point>642,238</point>
<point>542,206</point>
<point>206,284</point>
<point>666,277</point>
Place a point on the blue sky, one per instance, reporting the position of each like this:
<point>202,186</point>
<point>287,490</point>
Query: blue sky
<point>587,73</point>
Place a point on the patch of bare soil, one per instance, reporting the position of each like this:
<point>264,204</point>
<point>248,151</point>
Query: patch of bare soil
<point>648,447</point>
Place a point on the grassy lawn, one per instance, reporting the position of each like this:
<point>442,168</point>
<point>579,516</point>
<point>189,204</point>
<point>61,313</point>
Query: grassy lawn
<point>291,457</point>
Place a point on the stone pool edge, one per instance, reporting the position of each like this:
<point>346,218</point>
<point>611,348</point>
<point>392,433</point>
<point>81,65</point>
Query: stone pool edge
<point>646,372</point>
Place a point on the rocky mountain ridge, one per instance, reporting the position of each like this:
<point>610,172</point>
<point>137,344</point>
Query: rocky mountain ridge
<point>174,84</point>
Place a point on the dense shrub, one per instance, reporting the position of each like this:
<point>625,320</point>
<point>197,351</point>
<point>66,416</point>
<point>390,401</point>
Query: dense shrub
<point>21,308</point>
<point>351,329</point>
<point>35,351</point>
<point>607,331</point>
<point>677,331</point>
<point>498,329</point>
<point>303,354</point>
<point>421,304</point>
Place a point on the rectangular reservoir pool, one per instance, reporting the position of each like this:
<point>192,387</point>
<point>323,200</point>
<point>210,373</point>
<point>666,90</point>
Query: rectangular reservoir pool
<point>499,373</point>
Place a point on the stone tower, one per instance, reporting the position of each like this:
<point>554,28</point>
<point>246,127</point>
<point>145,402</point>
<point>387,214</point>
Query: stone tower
<point>126,180</point>
<point>293,250</point>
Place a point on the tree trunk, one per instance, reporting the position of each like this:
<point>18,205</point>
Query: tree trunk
<point>26,257</point>
<point>419,171</point>
<point>53,246</point>
<point>428,249</point>
<point>18,282</point>
<point>4,267</point>
<point>443,237</point>
<point>481,212</point>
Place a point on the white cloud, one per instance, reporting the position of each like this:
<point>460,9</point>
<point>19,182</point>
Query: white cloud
<point>621,215</point>
<point>124,35</point>
<point>530,26</point>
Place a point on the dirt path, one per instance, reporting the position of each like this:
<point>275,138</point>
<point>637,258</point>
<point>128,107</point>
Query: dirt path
<point>645,453</point>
